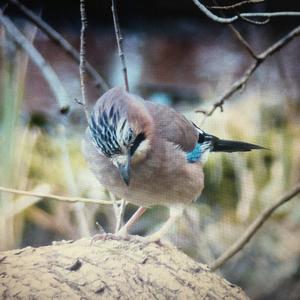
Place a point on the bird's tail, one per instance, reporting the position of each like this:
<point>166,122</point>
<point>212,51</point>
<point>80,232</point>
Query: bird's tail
<point>233,146</point>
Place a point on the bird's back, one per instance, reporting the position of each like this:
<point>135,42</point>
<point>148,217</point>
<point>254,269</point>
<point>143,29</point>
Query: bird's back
<point>173,126</point>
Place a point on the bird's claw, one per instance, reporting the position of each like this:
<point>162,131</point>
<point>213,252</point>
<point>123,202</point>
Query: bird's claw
<point>106,236</point>
<point>122,235</point>
<point>115,237</point>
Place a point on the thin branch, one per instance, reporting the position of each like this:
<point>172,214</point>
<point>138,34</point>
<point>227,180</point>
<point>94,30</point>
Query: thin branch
<point>212,16</point>
<point>238,35</point>
<point>62,42</point>
<point>54,197</point>
<point>240,83</point>
<point>232,19</point>
<point>82,64</point>
<point>271,14</point>
<point>236,5</point>
<point>243,41</point>
<point>280,43</point>
<point>119,39</point>
<point>252,229</point>
<point>50,76</point>
<point>237,85</point>
<point>254,22</point>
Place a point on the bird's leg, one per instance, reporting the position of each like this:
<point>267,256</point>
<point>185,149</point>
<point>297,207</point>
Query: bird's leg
<point>119,212</point>
<point>175,213</point>
<point>122,234</point>
<point>124,230</point>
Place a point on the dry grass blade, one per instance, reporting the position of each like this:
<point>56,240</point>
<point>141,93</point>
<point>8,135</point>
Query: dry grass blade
<point>54,197</point>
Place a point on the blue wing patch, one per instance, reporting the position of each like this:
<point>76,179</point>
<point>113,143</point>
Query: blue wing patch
<point>195,154</point>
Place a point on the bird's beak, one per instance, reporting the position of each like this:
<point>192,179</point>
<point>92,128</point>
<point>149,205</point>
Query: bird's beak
<point>124,168</point>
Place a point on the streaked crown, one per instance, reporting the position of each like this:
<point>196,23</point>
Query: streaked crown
<point>112,134</point>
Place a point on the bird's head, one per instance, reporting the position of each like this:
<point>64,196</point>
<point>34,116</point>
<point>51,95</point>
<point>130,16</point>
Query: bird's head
<point>120,133</point>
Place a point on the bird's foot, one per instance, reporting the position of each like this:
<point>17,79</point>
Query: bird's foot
<point>118,236</point>
<point>106,236</point>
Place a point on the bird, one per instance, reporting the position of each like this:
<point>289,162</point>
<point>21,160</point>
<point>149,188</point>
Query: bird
<point>149,154</point>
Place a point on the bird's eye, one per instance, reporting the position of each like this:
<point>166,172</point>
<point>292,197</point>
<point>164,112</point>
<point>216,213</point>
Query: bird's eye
<point>129,137</point>
<point>139,138</point>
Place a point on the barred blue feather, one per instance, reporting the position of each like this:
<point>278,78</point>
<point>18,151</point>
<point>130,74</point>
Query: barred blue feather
<point>195,154</point>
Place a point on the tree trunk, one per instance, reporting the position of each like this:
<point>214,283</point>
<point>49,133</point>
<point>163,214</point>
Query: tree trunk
<point>108,270</point>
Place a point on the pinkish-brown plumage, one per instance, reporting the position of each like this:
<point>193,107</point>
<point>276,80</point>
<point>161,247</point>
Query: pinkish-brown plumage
<point>149,154</point>
<point>160,174</point>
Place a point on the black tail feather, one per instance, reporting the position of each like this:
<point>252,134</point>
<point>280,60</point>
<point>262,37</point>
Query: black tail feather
<point>233,146</point>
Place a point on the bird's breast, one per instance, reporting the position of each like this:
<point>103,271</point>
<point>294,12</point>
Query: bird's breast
<point>163,177</point>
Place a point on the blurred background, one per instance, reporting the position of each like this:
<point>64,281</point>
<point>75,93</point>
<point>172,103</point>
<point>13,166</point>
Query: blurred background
<point>178,57</point>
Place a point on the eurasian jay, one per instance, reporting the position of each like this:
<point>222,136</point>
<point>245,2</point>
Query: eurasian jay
<point>149,154</point>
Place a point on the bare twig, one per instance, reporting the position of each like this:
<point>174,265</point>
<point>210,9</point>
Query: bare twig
<point>244,79</point>
<point>50,76</point>
<point>271,14</point>
<point>238,35</point>
<point>232,19</point>
<point>119,39</point>
<point>243,41</point>
<point>254,22</point>
<point>280,43</point>
<point>54,197</point>
<point>82,64</point>
<point>236,5</point>
<point>62,42</point>
<point>252,229</point>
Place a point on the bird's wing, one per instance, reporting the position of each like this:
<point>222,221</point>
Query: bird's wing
<point>173,126</point>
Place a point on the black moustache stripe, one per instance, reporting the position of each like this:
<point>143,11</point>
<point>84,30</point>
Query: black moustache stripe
<point>140,137</point>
